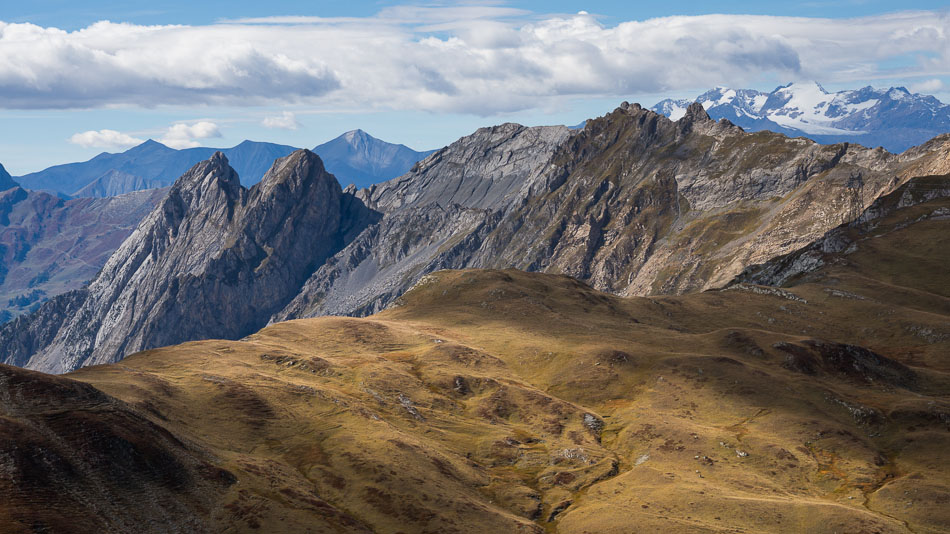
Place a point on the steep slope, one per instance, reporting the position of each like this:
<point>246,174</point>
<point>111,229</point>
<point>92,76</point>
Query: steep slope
<point>150,164</point>
<point>77,460</point>
<point>360,159</point>
<point>836,246</point>
<point>505,401</point>
<point>49,245</point>
<point>633,204</point>
<point>212,260</point>
<point>893,118</point>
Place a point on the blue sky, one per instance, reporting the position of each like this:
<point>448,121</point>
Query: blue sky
<point>423,74</point>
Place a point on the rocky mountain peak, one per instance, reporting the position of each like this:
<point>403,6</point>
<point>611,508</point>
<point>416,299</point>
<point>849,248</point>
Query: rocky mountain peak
<point>297,170</point>
<point>695,112</point>
<point>296,196</point>
<point>213,173</point>
<point>357,157</point>
<point>356,136</point>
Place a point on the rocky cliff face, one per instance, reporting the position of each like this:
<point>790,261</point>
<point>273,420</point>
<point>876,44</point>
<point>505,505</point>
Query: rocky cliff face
<point>436,216</point>
<point>212,260</point>
<point>837,244</point>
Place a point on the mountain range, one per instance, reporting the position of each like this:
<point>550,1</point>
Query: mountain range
<point>354,157</point>
<point>507,401</point>
<point>893,118</point>
<point>633,204</point>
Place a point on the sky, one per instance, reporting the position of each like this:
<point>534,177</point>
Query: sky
<point>81,77</point>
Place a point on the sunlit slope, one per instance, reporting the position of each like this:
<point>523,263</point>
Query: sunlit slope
<point>502,401</point>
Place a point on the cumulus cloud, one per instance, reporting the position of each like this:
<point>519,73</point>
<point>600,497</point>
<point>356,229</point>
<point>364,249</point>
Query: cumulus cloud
<point>110,139</point>
<point>184,135</point>
<point>284,121</point>
<point>482,59</point>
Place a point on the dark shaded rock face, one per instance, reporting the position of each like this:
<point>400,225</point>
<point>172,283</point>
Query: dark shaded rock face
<point>856,363</point>
<point>65,442</point>
<point>212,260</point>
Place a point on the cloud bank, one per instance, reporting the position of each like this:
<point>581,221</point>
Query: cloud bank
<point>183,135</point>
<point>284,121</point>
<point>179,135</point>
<point>109,139</point>
<point>481,60</point>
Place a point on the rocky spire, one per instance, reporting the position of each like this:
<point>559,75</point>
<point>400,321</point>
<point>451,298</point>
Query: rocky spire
<point>695,115</point>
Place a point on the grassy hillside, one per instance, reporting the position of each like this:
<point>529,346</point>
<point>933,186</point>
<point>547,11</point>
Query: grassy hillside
<point>502,401</point>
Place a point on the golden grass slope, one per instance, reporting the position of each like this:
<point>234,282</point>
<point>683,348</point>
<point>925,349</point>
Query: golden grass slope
<point>502,401</point>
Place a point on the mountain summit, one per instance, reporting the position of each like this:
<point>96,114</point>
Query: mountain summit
<point>361,159</point>
<point>893,118</point>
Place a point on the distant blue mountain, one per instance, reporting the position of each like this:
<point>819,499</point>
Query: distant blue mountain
<point>359,158</point>
<point>354,157</point>
<point>148,165</point>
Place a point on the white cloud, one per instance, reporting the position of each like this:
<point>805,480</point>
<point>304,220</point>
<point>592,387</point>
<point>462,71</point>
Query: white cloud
<point>110,139</point>
<point>184,135</point>
<point>928,86</point>
<point>284,121</point>
<point>481,59</point>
